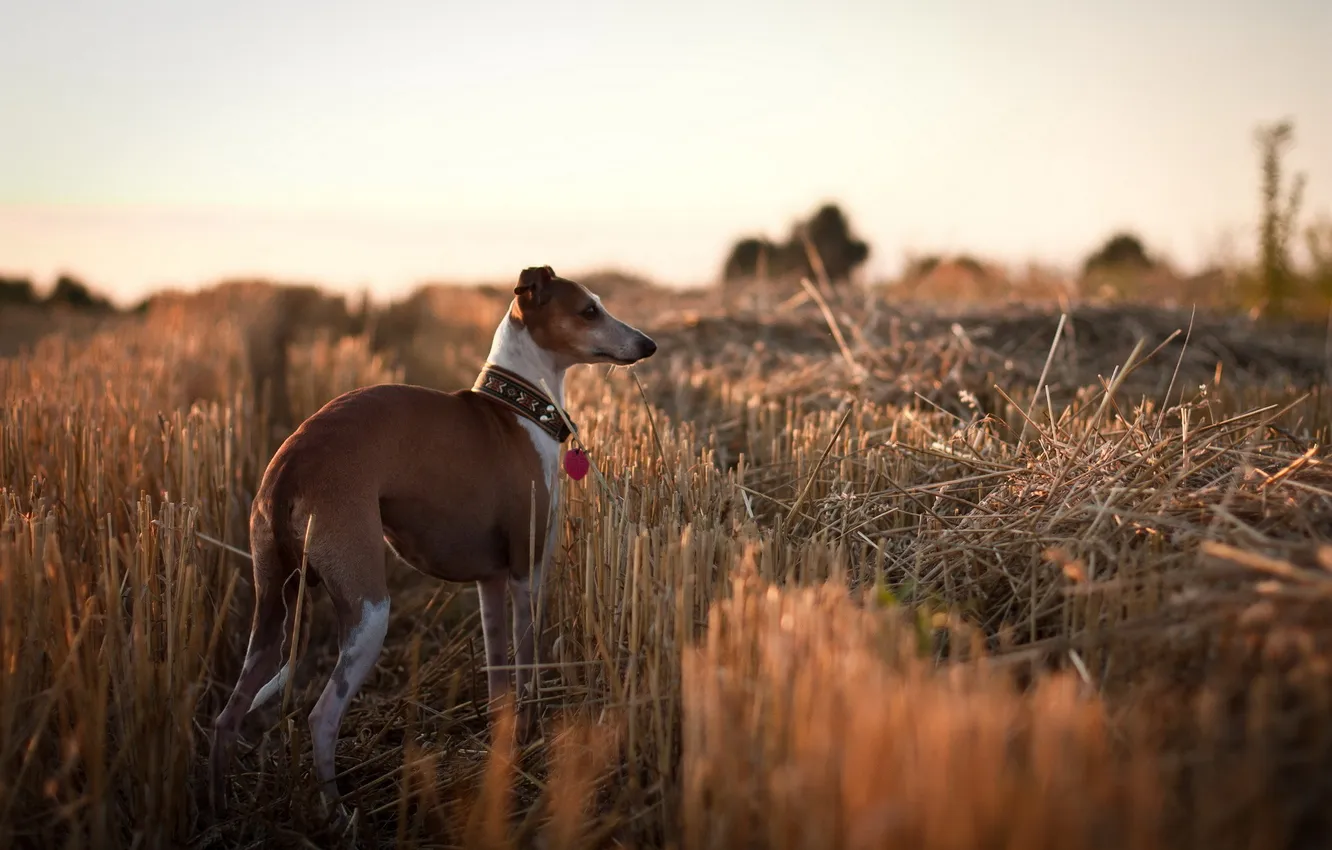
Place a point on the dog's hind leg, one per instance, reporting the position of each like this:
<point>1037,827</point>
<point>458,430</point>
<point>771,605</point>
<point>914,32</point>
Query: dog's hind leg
<point>360,597</point>
<point>357,656</point>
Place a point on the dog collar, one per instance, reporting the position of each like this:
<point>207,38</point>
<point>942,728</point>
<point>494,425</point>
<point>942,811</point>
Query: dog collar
<point>521,396</point>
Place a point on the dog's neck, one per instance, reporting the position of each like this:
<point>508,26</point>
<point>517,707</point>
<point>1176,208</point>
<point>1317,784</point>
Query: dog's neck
<point>514,349</point>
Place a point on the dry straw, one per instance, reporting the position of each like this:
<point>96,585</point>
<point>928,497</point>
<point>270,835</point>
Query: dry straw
<point>846,576</point>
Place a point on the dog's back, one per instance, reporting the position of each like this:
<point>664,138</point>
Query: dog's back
<point>440,499</point>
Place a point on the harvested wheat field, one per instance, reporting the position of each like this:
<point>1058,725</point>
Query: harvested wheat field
<point>849,573</point>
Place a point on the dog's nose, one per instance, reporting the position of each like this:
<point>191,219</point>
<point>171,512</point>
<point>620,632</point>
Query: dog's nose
<point>649,347</point>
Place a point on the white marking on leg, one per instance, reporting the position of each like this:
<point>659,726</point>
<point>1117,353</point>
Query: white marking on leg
<point>491,593</point>
<point>356,659</point>
<point>524,645</point>
<point>271,689</point>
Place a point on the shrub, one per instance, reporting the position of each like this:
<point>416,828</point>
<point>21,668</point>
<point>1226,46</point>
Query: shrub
<point>827,235</point>
<point>17,291</point>
<point>74,293</point>
<point>1121,252</point>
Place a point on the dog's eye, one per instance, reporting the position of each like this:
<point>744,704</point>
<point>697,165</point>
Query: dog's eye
<point>590,312</point>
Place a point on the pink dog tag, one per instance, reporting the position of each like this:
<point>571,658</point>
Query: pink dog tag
<point>575,464</point>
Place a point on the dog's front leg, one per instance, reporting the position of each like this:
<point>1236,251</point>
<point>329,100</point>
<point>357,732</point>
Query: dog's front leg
<point>495,635</point>
<point>529,610</point>
<point>525,627</point>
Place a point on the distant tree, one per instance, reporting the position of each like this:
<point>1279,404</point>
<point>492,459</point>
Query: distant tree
<point>838,248</point>
<point>71,292</point>
<point>1121,252</point>
<point>1278,218</point>
<point>827,231</point>
<point>17,291</point>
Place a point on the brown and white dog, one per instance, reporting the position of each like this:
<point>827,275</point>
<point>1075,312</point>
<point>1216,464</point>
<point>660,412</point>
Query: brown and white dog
<point>448,480</point>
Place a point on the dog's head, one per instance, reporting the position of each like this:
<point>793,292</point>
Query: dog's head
<point>570,323</point>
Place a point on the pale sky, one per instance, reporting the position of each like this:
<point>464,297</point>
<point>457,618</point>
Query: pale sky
<point>148,143</point>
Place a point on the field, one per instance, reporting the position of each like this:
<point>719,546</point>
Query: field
<point>852,571</point>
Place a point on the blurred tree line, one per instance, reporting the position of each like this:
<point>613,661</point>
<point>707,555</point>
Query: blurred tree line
<point>825,246</point>
<point>69,292</point>
<point>1273,283</point>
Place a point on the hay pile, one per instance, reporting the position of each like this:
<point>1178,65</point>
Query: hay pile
<point>894,356</point>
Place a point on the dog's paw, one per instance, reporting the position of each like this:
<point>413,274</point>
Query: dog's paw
<point>342,821</point>
<point>217,793</point>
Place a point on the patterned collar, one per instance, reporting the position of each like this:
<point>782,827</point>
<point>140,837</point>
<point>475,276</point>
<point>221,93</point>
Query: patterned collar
<point>524,398</point>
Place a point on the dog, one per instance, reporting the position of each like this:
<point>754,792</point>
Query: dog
<point>449,480</point>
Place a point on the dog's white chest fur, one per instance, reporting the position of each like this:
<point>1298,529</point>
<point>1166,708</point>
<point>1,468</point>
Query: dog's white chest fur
<point>549,452</point>
<point>547,449</point>
<point>513,349</point>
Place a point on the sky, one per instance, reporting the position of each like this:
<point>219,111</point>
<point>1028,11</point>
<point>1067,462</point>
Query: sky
<point>152,143</point>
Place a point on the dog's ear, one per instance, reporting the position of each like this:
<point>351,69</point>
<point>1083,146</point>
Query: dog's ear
<point>532,283</point>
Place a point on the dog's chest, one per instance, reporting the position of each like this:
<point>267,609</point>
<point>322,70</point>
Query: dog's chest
<point>549,452</point>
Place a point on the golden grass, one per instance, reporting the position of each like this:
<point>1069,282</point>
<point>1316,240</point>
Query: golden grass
<point>932,586</point>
